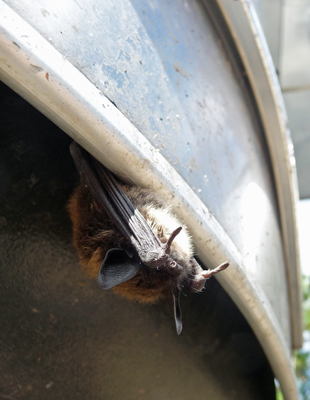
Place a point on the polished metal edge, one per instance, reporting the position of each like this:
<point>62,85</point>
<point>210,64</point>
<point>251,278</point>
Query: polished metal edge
<point>250,41</point>
<point>35,70</point>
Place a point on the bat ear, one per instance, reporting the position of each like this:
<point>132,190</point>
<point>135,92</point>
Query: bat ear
<point>170,240</point>
<point>173,298</point>
<point>117,267</point>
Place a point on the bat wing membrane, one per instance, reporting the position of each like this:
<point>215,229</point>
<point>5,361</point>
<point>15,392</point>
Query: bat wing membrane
<point>110,196</point>
<point>124,214</point>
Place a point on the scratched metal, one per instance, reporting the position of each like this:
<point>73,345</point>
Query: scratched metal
<point>62,337</point>
<point>165,69</point>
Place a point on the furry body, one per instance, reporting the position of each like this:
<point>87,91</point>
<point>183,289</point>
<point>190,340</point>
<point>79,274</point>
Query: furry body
<point>94,233</point>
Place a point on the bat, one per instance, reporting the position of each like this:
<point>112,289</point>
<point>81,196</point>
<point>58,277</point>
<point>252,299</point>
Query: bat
<point>130,240</point>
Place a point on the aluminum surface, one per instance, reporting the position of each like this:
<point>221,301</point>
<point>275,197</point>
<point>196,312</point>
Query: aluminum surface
<point>286,27</point>
<point>64,338</point>
<point>250,40</point>
<point>295,82</point>
<point>221,183</point>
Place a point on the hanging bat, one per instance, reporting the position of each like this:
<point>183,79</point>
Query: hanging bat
<point>129,239</point>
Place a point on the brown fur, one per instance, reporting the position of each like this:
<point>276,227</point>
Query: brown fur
<point>94,234</point>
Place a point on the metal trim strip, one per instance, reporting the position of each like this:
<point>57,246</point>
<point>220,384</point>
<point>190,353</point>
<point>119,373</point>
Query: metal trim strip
<point>249,38</point>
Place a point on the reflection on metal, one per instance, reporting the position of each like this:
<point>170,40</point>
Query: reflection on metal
<point>245,28</point>
<point>219,184</point>
<point>286,27</point>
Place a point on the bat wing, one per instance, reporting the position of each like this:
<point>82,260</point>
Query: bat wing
<point>125,216</point>
<point>120,265</point>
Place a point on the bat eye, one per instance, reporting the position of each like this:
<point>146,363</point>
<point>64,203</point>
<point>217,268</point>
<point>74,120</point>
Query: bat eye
<point>171,264</point>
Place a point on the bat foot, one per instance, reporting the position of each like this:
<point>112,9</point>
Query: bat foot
<point>210,272</point>
<point>198,283</point>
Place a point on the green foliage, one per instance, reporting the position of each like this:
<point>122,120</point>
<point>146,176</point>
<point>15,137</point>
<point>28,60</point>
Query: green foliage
<point>306,286</point>
<point>306,304</point>
<point>307,316</point>
<point>279,395</point>
<point>302,357</point>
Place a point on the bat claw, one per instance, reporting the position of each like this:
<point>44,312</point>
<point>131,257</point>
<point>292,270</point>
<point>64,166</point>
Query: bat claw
<point>210,272</point>
<point>197,284</point>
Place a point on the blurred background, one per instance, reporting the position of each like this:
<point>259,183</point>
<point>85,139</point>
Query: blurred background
<point>286,25</point>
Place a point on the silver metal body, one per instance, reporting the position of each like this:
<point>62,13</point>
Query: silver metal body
<point>148,89</point>
<point>286,26</point>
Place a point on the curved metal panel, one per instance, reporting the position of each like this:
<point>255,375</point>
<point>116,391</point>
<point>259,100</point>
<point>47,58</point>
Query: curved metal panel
<point>250,40</point>
<point>183,97</point>
<point>220,198</point>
